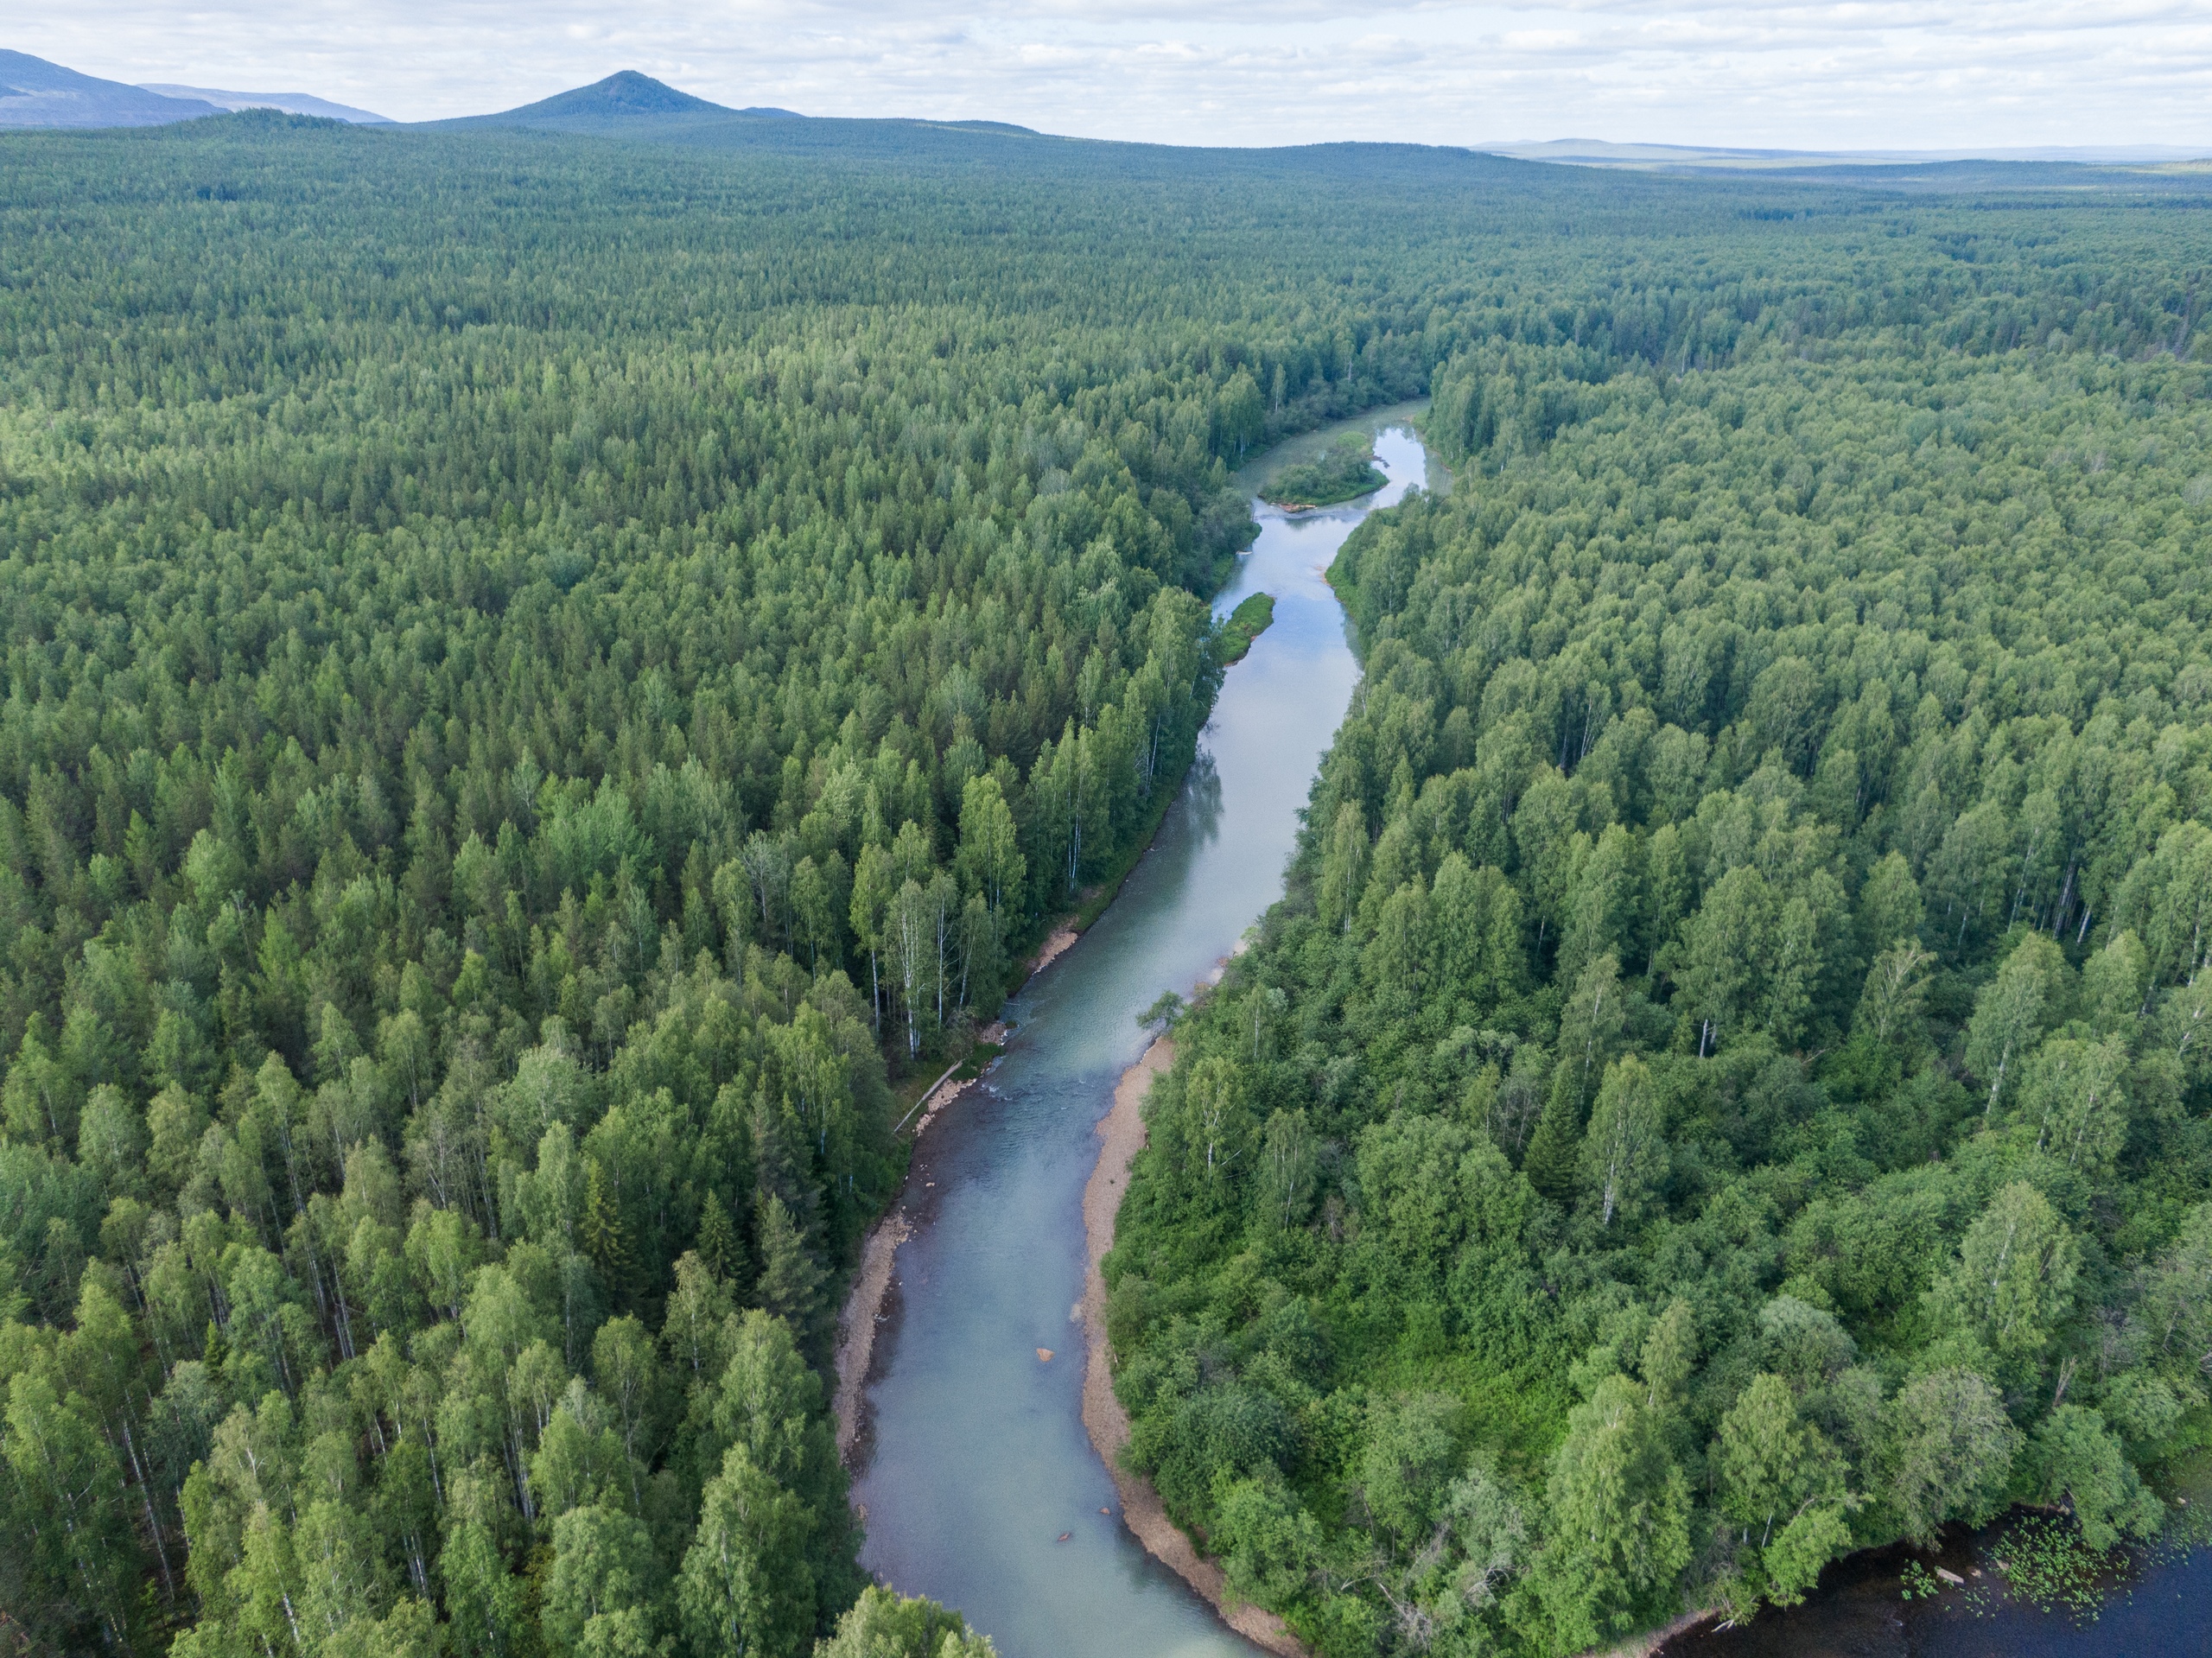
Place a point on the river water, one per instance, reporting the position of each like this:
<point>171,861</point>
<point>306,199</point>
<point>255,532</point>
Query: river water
<point>977,1462</point>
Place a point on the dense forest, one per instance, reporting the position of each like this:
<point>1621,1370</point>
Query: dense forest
<point>1729,1084</point>
<point>547,678</point>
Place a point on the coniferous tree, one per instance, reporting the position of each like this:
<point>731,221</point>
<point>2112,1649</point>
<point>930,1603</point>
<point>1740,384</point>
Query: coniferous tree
<point>719,1245</point>
<point>605,1238</point>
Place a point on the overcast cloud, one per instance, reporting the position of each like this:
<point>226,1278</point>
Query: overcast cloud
<point>1856,74</point>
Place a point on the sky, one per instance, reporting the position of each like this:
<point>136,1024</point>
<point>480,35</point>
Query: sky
<point>1853,74</point>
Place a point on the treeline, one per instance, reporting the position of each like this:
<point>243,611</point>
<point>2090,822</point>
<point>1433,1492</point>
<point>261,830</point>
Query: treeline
<point>1729,1083</point>
<point>543,677</point>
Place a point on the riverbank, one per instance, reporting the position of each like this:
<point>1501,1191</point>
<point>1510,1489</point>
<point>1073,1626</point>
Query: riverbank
<point>1121,1136</point>
<point>1298,509</point>
<point>1092,901</point>
<point>863,1316</point>
<point>863,1313</point>
<point>857,1322</point>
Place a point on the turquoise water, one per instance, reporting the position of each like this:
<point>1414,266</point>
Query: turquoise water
<point>977,1461</point>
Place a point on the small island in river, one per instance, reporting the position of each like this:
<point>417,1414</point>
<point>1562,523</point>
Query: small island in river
<point>1344,472</point>
<point>1244,625</point>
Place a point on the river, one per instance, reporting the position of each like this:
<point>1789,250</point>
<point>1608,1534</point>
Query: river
<point>976,1462</point>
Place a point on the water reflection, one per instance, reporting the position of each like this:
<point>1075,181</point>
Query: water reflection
<point>1200,803</point>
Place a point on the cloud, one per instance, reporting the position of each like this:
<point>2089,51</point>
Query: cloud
<point>1836,73</point>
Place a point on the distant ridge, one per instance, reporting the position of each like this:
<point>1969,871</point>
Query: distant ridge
<point>986,126</point>
<point>36,93</point>
<point>624,100</point>
<point>289,103</point>
<point>1601,152</point>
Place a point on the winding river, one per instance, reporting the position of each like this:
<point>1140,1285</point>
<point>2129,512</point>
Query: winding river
<point>976,1464</point>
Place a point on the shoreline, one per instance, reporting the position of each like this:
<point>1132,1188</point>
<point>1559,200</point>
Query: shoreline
<point>871,1286</point>
<point>1653,1641</point>
<point>1300,509</point>
<point>1121,1135</point>
<point>856,1323</point>
<point>1056,944</point>
<point>862,1312</point>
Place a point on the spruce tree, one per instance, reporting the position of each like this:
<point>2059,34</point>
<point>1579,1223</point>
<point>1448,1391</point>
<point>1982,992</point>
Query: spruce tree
<point>1555,1149</point>
<point>779,1167</point>
<point>791,1282</point>
<point>605,1240</point>
<point>719,1245</point>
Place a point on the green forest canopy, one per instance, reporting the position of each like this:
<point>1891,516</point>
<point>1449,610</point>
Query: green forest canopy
<point>542,674</point>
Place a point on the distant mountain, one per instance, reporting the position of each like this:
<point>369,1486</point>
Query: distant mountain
<point>36,93</point>
<point>624,100</point>
<point>291,102</point>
